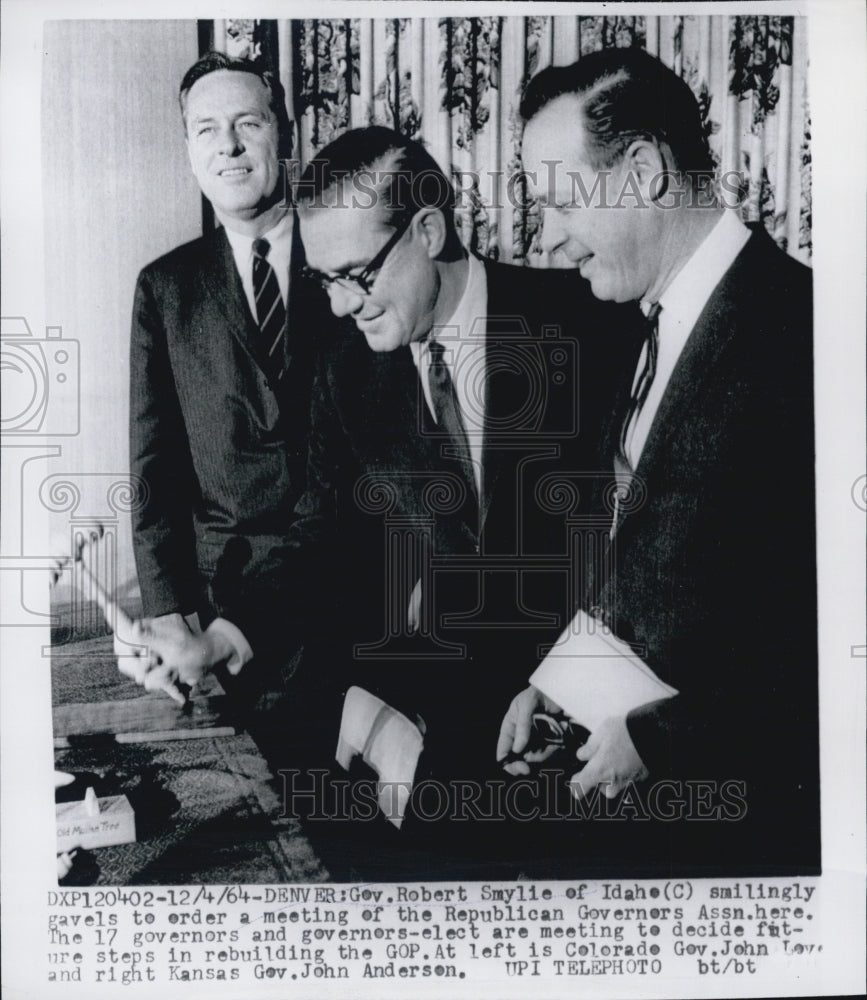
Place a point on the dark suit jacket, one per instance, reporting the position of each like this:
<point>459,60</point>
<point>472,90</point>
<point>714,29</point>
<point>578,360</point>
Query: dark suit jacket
<point>713,577</point>
<point>379,482</point>
<point>220,451</point>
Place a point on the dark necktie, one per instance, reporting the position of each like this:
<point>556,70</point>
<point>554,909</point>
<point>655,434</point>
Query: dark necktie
<point>270,311</point>
<point>624,472</point>
<point>447,411</point>
<point>645,378</point>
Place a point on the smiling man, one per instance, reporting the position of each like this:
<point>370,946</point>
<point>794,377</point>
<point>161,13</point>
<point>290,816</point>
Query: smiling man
<point>219,368</point>
<point>709,571</point>
<point>233,131</point>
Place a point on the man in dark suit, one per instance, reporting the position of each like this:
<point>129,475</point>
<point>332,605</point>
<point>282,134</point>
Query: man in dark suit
<point>220,370</point>
<point>709,572</point>
<point>434,431</point>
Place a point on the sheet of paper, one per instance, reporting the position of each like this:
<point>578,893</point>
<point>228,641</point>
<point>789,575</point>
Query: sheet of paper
<point>592,676</point>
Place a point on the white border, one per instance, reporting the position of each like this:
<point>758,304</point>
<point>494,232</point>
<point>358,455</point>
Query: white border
<point>836,89</point>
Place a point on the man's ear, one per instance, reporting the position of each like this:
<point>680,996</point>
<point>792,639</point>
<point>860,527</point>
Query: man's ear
<point>647,163</point>
<point>430,224</point>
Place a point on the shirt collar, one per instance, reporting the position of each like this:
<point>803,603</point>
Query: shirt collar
<point>466,313</point>
<point>688,292</point>
<point>471,306</point>
<point>278,235</point>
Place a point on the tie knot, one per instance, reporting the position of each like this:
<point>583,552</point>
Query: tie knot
<point>653,313</point>
<point>261,248</point>
<point>436,351</point>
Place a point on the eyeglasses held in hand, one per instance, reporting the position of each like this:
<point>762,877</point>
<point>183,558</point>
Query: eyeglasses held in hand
<point>552,734</point>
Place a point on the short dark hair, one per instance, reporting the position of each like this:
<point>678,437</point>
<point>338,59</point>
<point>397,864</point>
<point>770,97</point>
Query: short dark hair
<point>627,94</point>
<point>414,179</point>
<point>211,62</point>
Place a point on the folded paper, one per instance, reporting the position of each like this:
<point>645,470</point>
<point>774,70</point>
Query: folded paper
<point>592,675</point>
<point>387,741</point>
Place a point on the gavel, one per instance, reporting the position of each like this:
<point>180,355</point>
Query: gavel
<point>136,663</point>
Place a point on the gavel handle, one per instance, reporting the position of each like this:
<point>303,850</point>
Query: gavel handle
<point>111,610</point>
<point>119,620</point>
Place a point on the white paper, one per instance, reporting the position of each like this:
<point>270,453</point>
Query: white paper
<point>593,676</point>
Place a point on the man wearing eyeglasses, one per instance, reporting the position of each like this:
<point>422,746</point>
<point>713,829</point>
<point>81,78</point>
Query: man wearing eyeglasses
<point>435,437</point>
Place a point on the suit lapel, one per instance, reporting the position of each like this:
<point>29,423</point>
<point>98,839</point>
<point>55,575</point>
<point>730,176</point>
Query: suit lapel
<point>393,410</point>
<point>397,400</point>
<point>302,307</point>
<point>223,291</point>
<point>500,387</point>
<point>695,367</point>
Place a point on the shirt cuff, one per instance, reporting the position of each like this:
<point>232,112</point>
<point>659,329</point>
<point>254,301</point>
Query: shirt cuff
<point>242,652</point>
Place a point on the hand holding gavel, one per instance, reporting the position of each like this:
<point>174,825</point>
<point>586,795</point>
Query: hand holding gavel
<point>175,654</point>
<point>158,653</point>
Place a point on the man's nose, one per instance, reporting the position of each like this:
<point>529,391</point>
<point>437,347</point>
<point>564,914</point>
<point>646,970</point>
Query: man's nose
<point>553,234</point>
<point>344,302</point>
<point>229,142</point>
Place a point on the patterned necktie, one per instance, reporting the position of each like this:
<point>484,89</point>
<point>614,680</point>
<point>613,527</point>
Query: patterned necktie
<point>645,378</point>
<point>447,410</point>
<point>624,473</point>
<point>270,311</point>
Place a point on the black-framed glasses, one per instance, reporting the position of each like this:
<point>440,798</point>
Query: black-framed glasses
<point>550,734</point>
<point>361,283</point>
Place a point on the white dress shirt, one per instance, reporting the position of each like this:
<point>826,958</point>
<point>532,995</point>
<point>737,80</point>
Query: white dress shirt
<point>463,340</point>
<point>681,304</point>
<point>279,238</point>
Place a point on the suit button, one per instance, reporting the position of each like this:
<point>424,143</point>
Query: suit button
<point>477,547</point>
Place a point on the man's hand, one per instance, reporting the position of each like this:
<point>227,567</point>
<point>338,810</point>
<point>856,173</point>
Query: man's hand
<point>144,664</point>
<point>189,655</point>
<point>172,653</point>
<point>138,663</point>
<point>515,731</point>
<point>612,761</point>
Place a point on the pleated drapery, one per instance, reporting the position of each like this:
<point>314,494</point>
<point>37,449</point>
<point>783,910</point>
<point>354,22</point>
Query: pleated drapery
<point>456,82</point>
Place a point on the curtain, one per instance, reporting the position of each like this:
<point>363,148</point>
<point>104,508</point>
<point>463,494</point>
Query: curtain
<point>456,83</point>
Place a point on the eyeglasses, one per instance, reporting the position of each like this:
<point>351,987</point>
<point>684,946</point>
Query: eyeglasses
<point>552,734</point>
<point>362,283</point>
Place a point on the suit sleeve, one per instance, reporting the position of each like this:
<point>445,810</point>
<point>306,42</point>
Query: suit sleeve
<point>163,534</point>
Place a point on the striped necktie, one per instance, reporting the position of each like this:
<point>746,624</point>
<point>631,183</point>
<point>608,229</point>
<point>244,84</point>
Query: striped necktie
<point>447,411</point>
<point>624,472</point>
<point>270,312</point>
